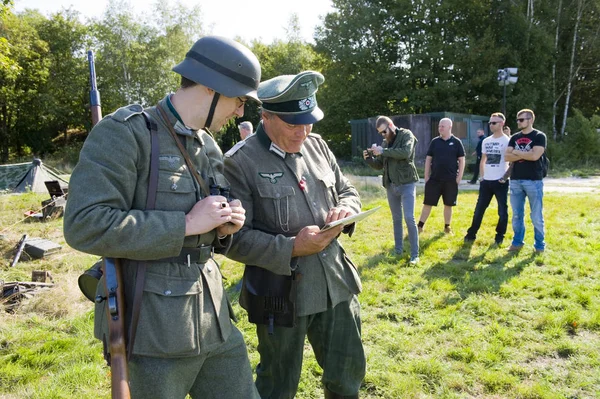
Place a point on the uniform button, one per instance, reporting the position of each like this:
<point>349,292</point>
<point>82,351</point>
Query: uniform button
<point>277,195</point>
<point>324,254</point>
<point>168,292</point>
<point>208,267</point>
<point>314,203</point>
<point>174,186</point>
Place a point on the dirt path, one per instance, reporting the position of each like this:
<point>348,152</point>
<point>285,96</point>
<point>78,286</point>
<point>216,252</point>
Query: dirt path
<point>551,184</point>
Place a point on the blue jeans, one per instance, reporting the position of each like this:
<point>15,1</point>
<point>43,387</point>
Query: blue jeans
<point>399,197</point>
<point>534,191</point>
<point>487,190</point>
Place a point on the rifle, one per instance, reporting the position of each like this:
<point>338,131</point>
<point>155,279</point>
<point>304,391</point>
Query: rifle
<point>117,358</point>
<point>94,93</point>
<point>20,247</point>
<point>113,283</point>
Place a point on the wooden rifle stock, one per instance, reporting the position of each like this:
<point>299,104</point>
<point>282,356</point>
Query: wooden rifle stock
<point>113,280</point>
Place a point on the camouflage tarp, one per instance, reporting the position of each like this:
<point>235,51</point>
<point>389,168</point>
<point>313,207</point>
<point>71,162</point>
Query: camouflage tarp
<point>22,177</point>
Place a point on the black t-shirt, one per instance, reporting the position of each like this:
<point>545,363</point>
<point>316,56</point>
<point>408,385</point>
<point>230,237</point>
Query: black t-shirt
<point>528,170</point>
<point>445,154</point>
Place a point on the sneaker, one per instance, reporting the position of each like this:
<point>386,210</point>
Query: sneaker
<point>498,243</point>
<point>469,239</point>
<point>515,248</point>
<point>448,230</point>
<point>539,251</point>
<point>413,260</point>
<point>420,229</point>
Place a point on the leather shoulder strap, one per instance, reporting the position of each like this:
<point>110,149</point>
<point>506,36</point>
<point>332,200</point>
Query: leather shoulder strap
<point>184,152</point>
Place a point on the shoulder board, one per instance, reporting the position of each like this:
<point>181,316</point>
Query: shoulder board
<point>236,147</point>
<point>124,113</point>
<point>315,135</point>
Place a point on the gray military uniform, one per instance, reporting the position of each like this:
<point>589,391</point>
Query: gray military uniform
<point>184,311</point>
<point>282,193</point>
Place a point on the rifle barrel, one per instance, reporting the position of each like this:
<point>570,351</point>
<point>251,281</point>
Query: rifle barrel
<point>95,105</point>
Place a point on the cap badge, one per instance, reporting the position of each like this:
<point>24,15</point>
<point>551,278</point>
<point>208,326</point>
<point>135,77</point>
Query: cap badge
<point>307,103</point>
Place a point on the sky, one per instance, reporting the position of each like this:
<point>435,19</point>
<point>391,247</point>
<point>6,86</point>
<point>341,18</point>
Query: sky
<point>263,19</point>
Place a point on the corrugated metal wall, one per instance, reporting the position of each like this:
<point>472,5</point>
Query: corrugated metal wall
<point>424,127</point>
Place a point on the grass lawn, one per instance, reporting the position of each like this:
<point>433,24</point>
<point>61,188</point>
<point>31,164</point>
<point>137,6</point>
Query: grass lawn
<point>469,321</point>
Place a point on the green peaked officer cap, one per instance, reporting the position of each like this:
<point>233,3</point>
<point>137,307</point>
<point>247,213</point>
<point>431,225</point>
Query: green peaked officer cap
<point>292,97</point>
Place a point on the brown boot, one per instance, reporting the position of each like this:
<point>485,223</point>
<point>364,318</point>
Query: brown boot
<point>333,395</point>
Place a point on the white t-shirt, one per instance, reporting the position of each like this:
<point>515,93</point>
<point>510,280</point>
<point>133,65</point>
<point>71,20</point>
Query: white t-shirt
<point>495,165</point>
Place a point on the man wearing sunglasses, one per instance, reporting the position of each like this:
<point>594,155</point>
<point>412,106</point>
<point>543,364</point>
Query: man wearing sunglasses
<point>525,150</point>
<point>492,168</point>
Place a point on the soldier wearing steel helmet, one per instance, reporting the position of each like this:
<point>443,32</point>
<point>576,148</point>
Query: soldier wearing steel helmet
<point>181,339</point>
<point>298,281</point>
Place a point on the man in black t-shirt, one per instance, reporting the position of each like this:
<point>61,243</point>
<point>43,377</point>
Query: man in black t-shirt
<point>525,150</point>
<point>444,167</point>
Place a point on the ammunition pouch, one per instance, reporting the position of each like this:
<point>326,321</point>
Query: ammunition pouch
<point>269,298</point>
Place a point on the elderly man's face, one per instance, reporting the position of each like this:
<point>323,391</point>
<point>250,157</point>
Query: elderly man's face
<point>288,137</point>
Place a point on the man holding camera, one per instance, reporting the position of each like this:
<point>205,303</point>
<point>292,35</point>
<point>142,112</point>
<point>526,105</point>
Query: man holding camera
<point>298,281</point>
<point>396,158</point>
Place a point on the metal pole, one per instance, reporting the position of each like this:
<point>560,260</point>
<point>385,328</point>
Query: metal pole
<point>504,98</point>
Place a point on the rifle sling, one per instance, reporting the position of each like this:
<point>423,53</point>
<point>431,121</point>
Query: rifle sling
<point>150,204</point>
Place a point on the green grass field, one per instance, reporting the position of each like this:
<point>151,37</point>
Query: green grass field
<point>466,322</point>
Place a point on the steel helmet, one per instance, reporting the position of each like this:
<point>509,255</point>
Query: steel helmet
<point>223,65</point>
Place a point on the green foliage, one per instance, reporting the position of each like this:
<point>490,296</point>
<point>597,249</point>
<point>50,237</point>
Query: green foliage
<point>581,142</point>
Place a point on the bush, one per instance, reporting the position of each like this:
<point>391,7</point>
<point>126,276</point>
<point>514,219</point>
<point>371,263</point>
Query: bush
<point>580,146</point>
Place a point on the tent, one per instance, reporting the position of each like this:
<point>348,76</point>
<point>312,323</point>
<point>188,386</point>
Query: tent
<point>23,177</point>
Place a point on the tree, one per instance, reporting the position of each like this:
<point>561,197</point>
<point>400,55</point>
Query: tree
<point>134,56</point>
<point>65,92</point>
<point>20,102</point>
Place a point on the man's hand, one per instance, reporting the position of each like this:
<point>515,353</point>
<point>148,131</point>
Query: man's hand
<point>238,217</point>
<point>338,213</point>
<point>207,214</point>
<point>311,240</point>
<point>365,154</point>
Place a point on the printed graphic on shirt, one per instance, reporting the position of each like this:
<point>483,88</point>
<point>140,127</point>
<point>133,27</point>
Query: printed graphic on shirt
<point>495,165</point>
<point>524,144</point>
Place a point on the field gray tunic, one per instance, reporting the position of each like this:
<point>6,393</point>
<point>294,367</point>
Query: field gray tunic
<point>184,310</point>
<point>268,182</point>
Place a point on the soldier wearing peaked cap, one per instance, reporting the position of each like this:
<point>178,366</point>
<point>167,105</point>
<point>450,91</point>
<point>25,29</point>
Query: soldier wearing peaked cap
<point>164,216</point>
<point>298,281</point>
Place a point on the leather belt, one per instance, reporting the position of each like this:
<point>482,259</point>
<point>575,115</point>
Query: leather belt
<point>189,255</point>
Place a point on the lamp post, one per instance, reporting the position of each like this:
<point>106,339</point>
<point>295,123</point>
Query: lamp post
<point>506,77</point>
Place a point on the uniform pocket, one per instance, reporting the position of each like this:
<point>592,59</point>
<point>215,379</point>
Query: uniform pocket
<point>175,191</point>
<point>329,190</point>
<point>278,206</point>
<point>168,323</point>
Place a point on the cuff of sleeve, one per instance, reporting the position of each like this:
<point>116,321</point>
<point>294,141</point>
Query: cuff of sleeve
<point>349,229</point>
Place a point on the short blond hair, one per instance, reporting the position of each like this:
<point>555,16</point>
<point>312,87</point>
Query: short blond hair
<point>526,111</point>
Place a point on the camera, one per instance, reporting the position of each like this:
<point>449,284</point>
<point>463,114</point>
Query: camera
<point>370,152</point>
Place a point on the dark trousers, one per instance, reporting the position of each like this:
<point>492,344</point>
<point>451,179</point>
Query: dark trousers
<point>487,190</point>
<point>476,170</point>
<point>336,341</point>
